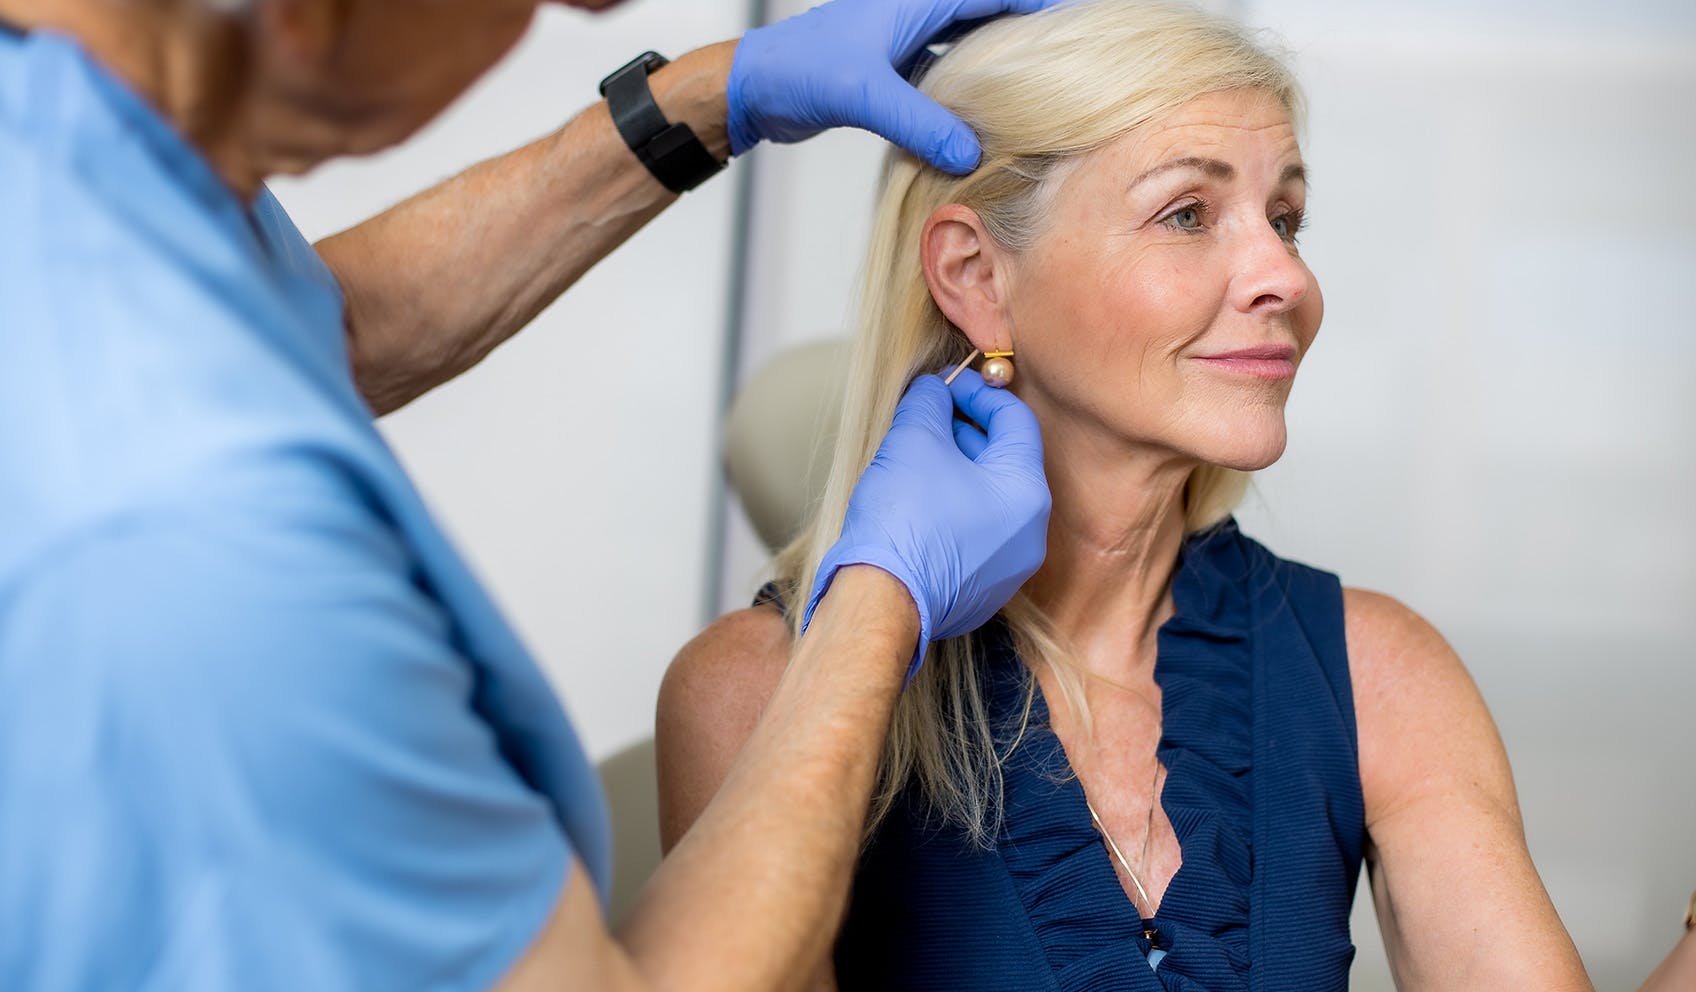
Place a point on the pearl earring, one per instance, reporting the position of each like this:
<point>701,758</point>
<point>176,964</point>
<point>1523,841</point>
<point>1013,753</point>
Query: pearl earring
<point>998,368</point>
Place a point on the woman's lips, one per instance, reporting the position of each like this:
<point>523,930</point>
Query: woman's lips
<point>1270,362</point>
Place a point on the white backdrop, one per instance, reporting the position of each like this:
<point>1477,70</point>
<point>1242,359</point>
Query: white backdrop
<point>1497,424</point>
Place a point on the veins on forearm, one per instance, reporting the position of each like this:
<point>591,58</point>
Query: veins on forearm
<point>436,283</point>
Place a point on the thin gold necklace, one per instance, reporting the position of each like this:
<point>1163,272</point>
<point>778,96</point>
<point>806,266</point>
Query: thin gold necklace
<point>1148,836</point>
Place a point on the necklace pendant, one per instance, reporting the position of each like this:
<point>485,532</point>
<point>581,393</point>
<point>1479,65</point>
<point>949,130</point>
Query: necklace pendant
<point>1151,934</point>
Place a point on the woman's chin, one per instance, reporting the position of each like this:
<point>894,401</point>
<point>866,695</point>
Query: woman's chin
<point>1247,451</point>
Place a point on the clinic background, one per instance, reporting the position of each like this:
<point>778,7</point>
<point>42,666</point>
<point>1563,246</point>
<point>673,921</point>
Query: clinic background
<point>1497,423</point>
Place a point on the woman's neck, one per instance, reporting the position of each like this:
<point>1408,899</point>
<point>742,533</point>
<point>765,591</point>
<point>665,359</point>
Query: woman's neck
<point>1113,540</point>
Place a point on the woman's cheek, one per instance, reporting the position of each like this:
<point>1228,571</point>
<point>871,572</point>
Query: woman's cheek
<point>1310,314</point>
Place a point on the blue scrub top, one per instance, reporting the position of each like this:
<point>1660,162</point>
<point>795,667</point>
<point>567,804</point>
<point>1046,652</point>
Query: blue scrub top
<point>260,727</point>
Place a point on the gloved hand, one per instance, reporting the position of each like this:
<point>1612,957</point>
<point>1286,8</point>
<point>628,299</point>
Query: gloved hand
<point>958,516</point>
<point>835,66</point>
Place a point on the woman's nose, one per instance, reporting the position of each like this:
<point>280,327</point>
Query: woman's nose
<point>1270,277</point>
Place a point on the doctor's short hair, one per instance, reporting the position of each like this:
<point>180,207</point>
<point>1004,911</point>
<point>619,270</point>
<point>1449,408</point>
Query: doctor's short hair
<point>1042,91</point>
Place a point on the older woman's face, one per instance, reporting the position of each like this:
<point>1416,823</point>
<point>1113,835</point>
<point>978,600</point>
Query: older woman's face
<point>1165,302</point>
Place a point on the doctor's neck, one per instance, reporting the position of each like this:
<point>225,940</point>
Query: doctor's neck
<point>192,64</point>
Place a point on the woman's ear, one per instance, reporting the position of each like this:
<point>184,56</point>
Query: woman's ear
<point>968,275</point>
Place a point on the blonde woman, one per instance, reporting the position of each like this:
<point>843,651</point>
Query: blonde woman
<point>1165,763</point>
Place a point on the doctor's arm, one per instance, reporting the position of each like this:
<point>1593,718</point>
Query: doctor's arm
<point>437,282</point>
<point>778,843</point>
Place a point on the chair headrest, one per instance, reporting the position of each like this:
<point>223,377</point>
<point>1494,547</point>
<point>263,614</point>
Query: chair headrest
<point>780,436</point>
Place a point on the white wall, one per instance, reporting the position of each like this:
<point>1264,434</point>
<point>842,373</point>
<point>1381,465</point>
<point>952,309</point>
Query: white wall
<point>1498,422</point>
<point>573,466</point>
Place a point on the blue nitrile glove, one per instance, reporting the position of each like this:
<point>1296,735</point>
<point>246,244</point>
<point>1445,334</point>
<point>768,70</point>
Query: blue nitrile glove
<point>836,66</point>
<point>959,517</point>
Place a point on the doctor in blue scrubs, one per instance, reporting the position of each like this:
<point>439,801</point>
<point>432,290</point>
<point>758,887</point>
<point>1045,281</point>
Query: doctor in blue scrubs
<point>260,728</point>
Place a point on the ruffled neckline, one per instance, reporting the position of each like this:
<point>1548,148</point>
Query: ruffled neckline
<point>1090,931</point>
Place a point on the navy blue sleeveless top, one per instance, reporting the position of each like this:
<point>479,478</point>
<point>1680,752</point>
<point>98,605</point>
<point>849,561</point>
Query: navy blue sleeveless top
<point>1262,790</point>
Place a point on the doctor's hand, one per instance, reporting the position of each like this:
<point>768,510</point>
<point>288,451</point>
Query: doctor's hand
<point>836,65</point>
<point>958,515</point>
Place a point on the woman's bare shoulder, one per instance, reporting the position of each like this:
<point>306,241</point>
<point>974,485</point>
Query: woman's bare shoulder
<point>710,700</point>
<point>1422,722</point>
<point>735,662</point>
<point>1387,639</point>
<point>1401,667</point>
<point>1394,655</point>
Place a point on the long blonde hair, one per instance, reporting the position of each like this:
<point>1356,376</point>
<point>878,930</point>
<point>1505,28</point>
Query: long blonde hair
<point>1040,90</point>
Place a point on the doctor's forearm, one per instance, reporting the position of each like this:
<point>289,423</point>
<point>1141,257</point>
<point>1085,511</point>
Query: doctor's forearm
<point>437,282</point>
<point>751,898</point>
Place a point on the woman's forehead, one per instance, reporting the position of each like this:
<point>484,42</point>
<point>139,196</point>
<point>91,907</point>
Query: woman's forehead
<point>1220,135</point>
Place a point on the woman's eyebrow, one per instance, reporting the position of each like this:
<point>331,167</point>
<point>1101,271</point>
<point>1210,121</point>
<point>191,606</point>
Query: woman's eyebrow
<point>1215,169</point>
<point>1212,166</point>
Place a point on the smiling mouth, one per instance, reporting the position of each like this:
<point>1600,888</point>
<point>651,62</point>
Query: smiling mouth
<point>1272,362</point>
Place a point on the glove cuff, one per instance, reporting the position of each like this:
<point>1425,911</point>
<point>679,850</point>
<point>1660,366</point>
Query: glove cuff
<point>741,130</point>
<point>879,557</point>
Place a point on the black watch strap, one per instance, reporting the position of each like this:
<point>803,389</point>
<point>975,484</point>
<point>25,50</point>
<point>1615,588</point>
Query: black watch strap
<point>670,151</point>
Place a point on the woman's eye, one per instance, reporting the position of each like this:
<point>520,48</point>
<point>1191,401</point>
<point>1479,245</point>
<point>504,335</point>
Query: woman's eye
<point>1287,226</point>
<point>1187,219</point>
